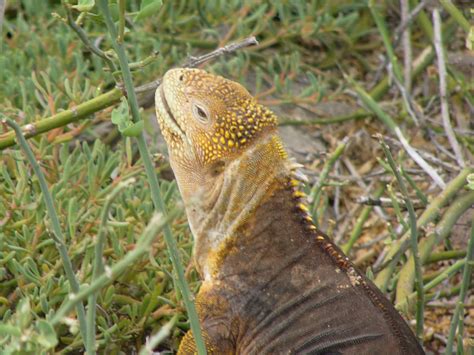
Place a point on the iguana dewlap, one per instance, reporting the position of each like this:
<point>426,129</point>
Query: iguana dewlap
<point>272,283</point>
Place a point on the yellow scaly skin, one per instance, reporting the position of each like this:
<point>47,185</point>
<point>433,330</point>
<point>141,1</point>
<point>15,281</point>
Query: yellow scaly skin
<point>272,283</point>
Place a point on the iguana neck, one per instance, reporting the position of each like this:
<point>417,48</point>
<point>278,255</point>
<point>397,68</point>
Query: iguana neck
<point>217,210</point>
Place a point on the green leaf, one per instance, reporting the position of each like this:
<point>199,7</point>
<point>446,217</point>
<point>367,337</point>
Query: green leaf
<point>47,336</point>
<point>85,5</point>
<point>23,310</point>
<point>370,274</point>
<point>470,39</point>
<point>8,329</point>
<point>470,181</point>
<point>148,8</point>
<point>114,11</point>
<point>109,295</point>
<point>134,130</point>
<point>121,117</point>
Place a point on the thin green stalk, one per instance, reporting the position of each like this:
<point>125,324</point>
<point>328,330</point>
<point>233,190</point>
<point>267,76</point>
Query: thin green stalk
<point>453,291</point>
<point>445,255</point>
<point>420,194</point>
<point>372,104</point>
<point>315,194</point>
<point>396,206</point>
<point>83,36</point>
<point>431,212</point>
<point>426,246</point>
<point>63,118</point>
<point>98,267</point>
<point>382,27</point>
<point>446,274</point>
<point>466,280</point>
<point>390,123</point>
<point>420,63</point>
<point>154,186</point>
<point>121,25</point>
<point>157,223</point>
<point>456,14</point>
<point>423,21</point>
<point>414,241</point>
<point>357,230</point>
<point>402,81</point>
<point>57,233</point>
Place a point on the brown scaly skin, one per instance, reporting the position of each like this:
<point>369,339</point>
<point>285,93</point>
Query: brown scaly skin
<point>273,284</point>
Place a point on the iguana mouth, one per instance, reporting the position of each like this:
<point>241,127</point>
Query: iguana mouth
<point>168,118</point>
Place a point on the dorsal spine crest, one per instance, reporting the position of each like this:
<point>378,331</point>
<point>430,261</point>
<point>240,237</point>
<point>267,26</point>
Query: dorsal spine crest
<point>303,211</point>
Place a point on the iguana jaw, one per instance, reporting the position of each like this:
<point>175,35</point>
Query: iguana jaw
<point>169,125</point>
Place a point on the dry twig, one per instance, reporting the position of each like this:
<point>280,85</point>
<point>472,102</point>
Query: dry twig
<point>407,52</point>
<point>193,62</point>
<point>438,42</point>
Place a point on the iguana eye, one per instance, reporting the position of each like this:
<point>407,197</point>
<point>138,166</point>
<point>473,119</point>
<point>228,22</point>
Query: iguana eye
<point>200,113</point>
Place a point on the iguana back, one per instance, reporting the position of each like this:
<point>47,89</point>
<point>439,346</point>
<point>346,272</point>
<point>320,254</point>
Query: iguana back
<point>273,284</point>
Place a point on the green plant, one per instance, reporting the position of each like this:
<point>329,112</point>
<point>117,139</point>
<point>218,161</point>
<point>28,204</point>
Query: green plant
<point>61,83</point>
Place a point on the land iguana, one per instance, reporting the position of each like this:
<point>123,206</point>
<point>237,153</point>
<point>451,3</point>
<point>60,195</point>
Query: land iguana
<point>272,282</point>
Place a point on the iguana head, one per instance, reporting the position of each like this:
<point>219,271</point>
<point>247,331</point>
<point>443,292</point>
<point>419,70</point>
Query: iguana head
<point>225,153</point>
<point>207,121</point>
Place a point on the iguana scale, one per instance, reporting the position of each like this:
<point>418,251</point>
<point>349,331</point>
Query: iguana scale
<point>272,282</point>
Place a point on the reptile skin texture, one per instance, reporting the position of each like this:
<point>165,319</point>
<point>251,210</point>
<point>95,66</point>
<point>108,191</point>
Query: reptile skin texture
<point>272,282</point>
